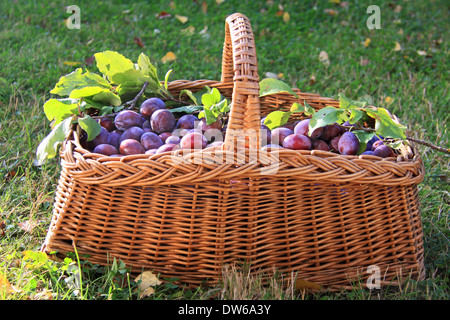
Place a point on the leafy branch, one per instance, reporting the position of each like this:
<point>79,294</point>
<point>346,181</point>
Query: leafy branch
<point>350,114</point>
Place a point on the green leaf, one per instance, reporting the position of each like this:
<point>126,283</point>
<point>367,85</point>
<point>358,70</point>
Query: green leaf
<point>166,79</point>
<point>385,125</point>
<point>189,94</point>
<point>147,67</point>
<point>306,108</point>
<point>48,148</point>
<point>86,92</point>
<point>186,109</point>
<point>272,86</point>
<point>363,137</point>
<point>78,80</point>
<point>355,116</point>
<point>59,109</point>
<point>110,63</point>
<point>276,118</point>
<point>323,117</point>
<point>211,98</point>
<point>91,127</point>
<point>107,98</point>
<point>346,103</point>
<point>209,115</point>
<point>397,144</point>
<point>130,77</point>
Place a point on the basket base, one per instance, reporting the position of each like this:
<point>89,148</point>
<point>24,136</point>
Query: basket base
<point>328,234</point>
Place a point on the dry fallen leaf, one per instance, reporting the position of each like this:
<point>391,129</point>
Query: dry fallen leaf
<point>421,53</point>
<point>182,19</point>
<point>323,57</point>
<point>146,282</point>
<point>330,12</point>
<point>312,80</point>
<point>397,47</point>
<point>367,42</point>
<point>286,16</point>
<point>364,62</point>
<point>189,30</point>
<point>204,7</point>
<point>170,56</point>
<point>139,42</point>
<point>163,14</point>
<point>89,60</point>
<point>28,225</point>
<point>305,284</point>
<point>219,1</point>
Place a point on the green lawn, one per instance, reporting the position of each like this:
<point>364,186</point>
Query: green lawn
<point>402,66</point>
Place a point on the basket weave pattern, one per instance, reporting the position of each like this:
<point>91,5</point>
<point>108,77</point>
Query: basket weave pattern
<point>324,216</point>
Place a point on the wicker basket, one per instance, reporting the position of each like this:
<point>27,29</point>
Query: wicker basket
<point>324,216</point>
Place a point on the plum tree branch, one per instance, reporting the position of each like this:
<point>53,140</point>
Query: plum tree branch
<point>132,103</point>
<point>428,144</point>
<point>418,141</point>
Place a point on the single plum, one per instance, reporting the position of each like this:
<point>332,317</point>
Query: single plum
<point>202,125</point>
<point>166,147</point>
<point>162,120</point>
<point>320,145</point>
<point>279,134</point>
<point>376,144</point>
<point>330,131</point>
<point>187,121</point>
<point>348,144</point>
<point>107,123</point>
<point>106,149</point>
<point>334,143</point>
<point>164,136</point>
<point>132,133</point>
<point>383,151</point>
<point>131,146</point>
<point>126,119</point>
<point>302,127</point>
<point>193,140</point>
<point>101,138</point>
<point>114,138</point>
<point>151,140</point>
<point>297,142</point>
<point>149,106</point>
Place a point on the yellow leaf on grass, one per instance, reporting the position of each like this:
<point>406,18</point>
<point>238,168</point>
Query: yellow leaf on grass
<point>72,63</point>
<point>388,100</point>
<point>421,53</point>
<point>5,286</point>
<point>367,42</point>
<point>182,19</point>
<point>323,57</point>
<point>286,16</point>
<point>219,1</point>
<point>170,56</point>
<point>397,47</point>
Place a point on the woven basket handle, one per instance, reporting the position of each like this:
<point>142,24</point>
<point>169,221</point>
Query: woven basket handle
<point>239,65</point>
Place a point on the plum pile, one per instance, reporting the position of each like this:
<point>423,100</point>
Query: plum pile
<point>333,138</point>
<point>155,129</point>
<point>152,130</point>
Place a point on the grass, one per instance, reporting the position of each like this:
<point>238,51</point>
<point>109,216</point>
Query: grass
<point>37,48</point>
